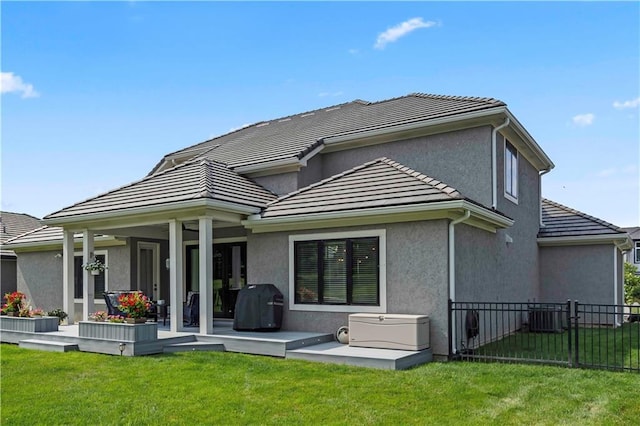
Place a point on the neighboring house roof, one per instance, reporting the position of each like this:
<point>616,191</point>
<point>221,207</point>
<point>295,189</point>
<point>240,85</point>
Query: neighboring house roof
<point>14,224</point>
<point>564,223</point>
<point>379,183</point>
<point>634,232</point>
<point>198,181</point>
<point>296,135</point>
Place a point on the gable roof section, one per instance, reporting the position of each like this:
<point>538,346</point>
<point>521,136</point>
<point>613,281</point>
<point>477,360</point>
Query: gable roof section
<point>379,183</point>
<point>14,224</point>
<point>380,191</point>
<point>564,224</point>
<point>296,135</point>
<point>199,180</point>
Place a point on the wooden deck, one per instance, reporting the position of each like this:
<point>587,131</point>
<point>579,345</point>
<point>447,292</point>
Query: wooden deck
<point>319,347</point>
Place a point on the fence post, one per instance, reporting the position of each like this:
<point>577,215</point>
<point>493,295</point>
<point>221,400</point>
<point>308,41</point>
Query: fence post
<point>450,328</point>
<point>569,326</point>
<point>576,331</point>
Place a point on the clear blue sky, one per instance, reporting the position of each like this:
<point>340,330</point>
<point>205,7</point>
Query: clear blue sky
<point>94,94</point>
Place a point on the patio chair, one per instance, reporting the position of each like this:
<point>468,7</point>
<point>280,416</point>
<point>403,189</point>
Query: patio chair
<point>191,311</point>
<point>111,300</point>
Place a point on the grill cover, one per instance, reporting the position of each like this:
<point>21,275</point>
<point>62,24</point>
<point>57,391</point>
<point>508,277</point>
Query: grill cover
<point>258,308</point>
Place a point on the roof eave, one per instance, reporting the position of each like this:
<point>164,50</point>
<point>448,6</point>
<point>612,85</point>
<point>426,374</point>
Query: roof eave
<point>167,210</point>
<point>480,217</point>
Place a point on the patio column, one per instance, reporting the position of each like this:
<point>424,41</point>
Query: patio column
<point>206,274</point>
<point>88,287</point>
<point>175,275</point>
<point>68,276</point>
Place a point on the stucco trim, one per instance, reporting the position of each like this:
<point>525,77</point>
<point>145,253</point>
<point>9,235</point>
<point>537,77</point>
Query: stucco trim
<point>382,271</point>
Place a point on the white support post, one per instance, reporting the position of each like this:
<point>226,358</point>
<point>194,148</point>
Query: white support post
<point>68,278</point>
<point>88,287</point>
<point>206,274</point>
<point>175,275</point>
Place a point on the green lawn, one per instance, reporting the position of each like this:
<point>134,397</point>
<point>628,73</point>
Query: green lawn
<point>226,388</point>
<point>614,347</point>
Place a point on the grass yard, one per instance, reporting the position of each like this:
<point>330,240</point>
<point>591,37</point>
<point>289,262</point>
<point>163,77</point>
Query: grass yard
<point>227,388</point>
<point>612,347</point>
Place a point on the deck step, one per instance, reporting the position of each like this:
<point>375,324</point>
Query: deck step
<point>48,345</point>
<point>385,359</point>
<point>194,346</point>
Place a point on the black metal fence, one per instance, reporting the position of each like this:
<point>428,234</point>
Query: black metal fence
<point>570,334</point>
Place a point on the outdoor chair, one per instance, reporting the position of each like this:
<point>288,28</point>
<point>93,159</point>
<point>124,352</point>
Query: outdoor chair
<point>111,300</point>
<point>191,311</point>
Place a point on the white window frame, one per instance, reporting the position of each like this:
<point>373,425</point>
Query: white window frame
<point>382,271</point>
<point>636,252</point>
<point>104,253</point>
<point>511,196</point>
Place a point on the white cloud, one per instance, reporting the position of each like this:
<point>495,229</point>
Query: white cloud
<point>400,30</point>
<point>634,103</point>
<point>353,51</point>
<point>233,129</point>
<point>9,83</point>
<point>583,119</point>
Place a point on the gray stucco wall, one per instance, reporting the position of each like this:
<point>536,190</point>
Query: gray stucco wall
<point>39,276</point>
<point>279,184</point>
<point>461,159</point>
<point>417,281</point>
<point>583,273</point>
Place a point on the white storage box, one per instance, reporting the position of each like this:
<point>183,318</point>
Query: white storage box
<point>389,331</point>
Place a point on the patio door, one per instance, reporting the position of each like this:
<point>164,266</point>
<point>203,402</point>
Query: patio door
<point>149,269</point>
<point>229,275</point>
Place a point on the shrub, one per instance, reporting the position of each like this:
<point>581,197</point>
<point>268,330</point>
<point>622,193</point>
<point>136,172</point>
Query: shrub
<point>631,284</point>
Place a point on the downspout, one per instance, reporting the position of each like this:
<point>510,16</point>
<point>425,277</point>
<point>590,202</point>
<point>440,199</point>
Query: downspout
<point>542,173</point>
<point>615,283</point>
<point>452,271</point>
<point>494,164</point>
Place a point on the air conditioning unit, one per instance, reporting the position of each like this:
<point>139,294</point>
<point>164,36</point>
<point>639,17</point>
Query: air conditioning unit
<point>545,319</point>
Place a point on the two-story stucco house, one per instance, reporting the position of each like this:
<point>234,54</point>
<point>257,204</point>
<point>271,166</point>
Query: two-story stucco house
<point>381,207</point>
<point>633,255</point>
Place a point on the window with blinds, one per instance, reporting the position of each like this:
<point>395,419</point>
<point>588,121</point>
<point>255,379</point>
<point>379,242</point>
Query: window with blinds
<point>337,272</point>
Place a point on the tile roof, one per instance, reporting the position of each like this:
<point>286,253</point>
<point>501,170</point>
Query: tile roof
<point>562,221</point>
<point>634,232</point>
<point>14,224</point>
<point>379,183</point>
<point>42,235</point>
<point>296,135</point>
<point>199,179</point>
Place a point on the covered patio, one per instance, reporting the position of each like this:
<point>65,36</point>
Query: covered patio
<point>199,196</point>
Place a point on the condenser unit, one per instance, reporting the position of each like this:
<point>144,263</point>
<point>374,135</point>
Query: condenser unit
<point>545,319</point>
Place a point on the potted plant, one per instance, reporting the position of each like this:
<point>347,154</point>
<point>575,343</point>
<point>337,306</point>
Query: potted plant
<point>58,313</point>
<point>136,305</point>
<point>13,303</point>
<point>95,266</point>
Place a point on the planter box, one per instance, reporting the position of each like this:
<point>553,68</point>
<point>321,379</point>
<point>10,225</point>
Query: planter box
<point>118,331</point>
<point>29,325</point>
